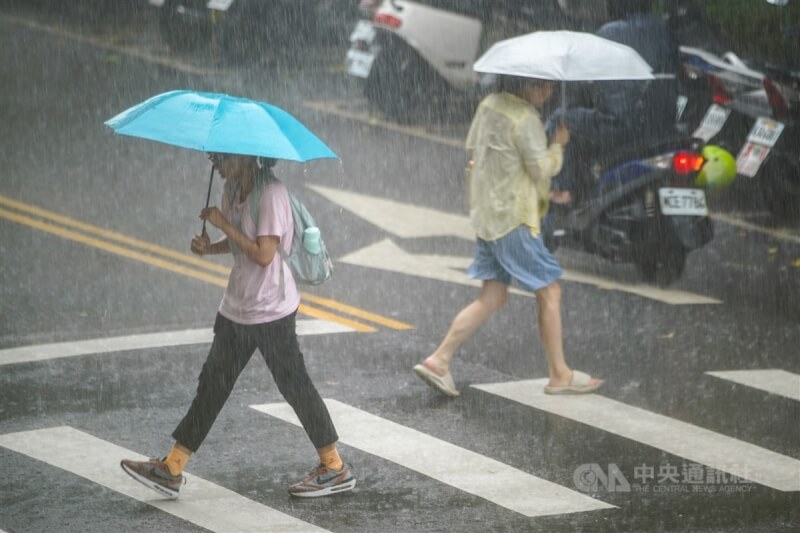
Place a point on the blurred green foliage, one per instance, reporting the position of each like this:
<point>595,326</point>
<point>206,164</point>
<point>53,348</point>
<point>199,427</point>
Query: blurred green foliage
<point>756,29</point>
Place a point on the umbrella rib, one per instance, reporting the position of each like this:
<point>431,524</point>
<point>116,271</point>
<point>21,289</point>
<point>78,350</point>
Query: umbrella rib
<point>214,118</point>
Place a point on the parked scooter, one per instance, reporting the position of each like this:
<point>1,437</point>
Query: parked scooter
<point>751,107</point>
<point>646,211</point>
<point>755,114</point>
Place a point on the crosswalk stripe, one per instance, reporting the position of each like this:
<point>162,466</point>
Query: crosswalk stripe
<point>463,469</point>
<point>202,503</point>
<point>770,380</point>
<point>42,352</point>
<point>673,436</point>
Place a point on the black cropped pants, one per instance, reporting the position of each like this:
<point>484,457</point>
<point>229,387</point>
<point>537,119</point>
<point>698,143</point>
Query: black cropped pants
<point>232,348</point>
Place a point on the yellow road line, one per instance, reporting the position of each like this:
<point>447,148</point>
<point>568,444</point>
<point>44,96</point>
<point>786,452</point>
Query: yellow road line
<point>113,248</point>
<point>775,233</point>
<point>202,263</point>
<point>113,235</point>
<point>161,263</point>
<point>325,315</point>
<point>360,313</point>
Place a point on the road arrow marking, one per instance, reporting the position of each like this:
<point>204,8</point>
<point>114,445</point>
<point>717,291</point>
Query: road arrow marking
<point>773,381</point>
<point>201,502</point>
<point>691,442</point>
<point>399,219</point>
<point>386,255</point>
<point>463,469</point>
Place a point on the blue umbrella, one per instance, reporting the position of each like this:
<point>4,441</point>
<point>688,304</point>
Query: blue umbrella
<point>221,124</point>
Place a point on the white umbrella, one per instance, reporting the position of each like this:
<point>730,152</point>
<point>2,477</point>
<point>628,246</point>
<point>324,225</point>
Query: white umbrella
<point>564,56</point>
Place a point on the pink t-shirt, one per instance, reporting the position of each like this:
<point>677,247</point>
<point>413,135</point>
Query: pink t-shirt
<point>253,295</point>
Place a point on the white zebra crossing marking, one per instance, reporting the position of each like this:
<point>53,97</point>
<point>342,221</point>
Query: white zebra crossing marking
<point>673,436</point>
<point>463,469</point>
<point>770,380</point>
<point>202,503</point>
<point>42,352</point>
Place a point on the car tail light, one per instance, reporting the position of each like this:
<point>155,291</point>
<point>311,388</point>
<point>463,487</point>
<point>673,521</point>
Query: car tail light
<point>387,19</point>
<point>719,94</point>
<point>685,163</point>
<point>778,103</point>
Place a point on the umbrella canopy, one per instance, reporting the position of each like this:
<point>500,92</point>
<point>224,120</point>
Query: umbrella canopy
<point>220,123</point>
<point>564,56</point>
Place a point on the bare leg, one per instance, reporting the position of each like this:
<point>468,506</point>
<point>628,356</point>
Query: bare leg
<point>492,297</point>
<point>548,301</point>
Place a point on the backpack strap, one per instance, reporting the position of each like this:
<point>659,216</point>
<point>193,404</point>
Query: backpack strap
<point>281,283</point>
<point>264,179</point>
<point>282,252</point>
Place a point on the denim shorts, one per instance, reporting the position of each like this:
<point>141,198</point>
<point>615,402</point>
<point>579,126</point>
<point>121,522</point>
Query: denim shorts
<point>517,255</point>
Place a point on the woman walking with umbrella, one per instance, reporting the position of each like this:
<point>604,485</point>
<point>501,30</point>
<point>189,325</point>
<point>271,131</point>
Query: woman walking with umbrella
<point>255,313</point>
<point>509,190</point>
<point>510,187</point>
<point>260,302</point>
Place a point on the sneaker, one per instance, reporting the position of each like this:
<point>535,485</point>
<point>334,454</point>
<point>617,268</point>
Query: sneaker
<point>324,481</point>
<point>155,475</point>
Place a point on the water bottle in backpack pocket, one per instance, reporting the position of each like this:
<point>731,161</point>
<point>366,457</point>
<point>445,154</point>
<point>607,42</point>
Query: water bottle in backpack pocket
<point>308,258</point>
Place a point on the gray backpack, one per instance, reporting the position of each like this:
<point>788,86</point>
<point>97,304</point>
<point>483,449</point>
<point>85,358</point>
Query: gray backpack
<point>308,267</point>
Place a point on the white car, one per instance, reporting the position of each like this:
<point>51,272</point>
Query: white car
<point>414,54</point>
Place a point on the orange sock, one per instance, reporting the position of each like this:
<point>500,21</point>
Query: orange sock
<point>177,459</point>
<point>329,456</point>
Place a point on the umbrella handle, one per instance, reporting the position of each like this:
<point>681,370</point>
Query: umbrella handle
<point>208,195</point>
<point>563,99</point>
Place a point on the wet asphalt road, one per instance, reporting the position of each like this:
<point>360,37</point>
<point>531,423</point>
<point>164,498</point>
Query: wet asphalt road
<point>71,280</point>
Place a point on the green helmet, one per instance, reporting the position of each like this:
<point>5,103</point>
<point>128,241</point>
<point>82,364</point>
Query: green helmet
<point>719,170</point>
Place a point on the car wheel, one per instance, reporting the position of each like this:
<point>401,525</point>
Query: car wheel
<point>183,24</point>
<point>403,86</point>
<point>662,266</point>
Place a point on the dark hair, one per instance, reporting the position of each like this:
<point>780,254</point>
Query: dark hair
<point>516,84</point>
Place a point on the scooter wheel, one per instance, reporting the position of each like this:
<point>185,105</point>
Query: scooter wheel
<point>662,267</point>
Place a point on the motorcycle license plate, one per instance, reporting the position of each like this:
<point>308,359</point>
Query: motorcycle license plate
<point>219,5</point>
<point>691,202</point>
<point>360,56</point>
<point>712,123</point>
<point>765,132</point>
<point>364,31</point>
<point>359,63</point>
<point>750,158</point>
